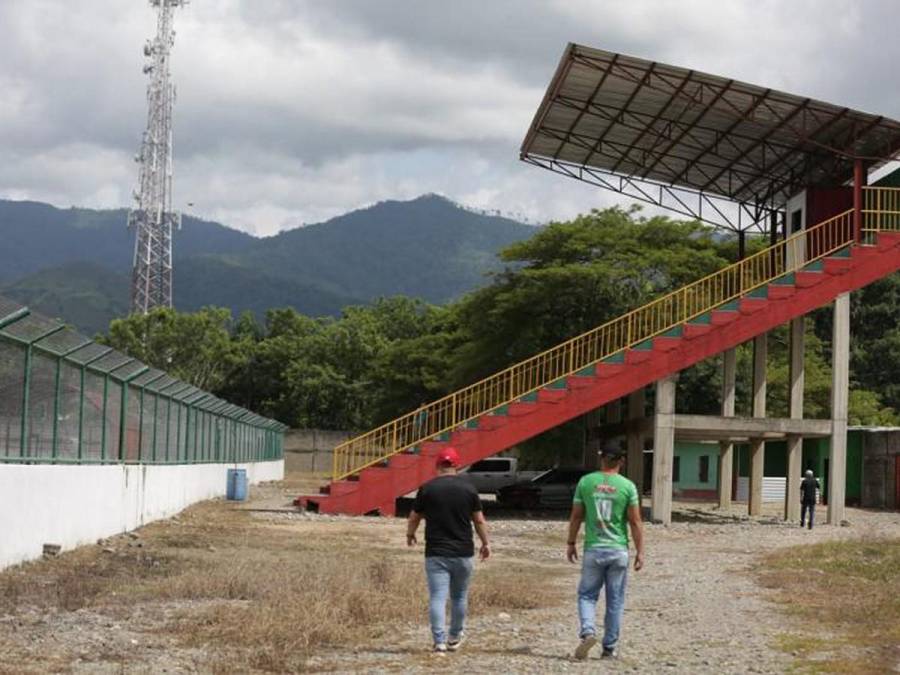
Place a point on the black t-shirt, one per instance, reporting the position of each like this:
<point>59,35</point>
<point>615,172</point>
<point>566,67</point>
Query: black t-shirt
<point>447,503</point>
<point>808,487</point>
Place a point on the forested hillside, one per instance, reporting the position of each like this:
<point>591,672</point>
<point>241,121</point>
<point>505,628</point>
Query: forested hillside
<point>75,263</point>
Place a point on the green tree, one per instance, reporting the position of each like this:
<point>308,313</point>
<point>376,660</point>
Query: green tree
<point>574,276</point>
<point>195,347</point>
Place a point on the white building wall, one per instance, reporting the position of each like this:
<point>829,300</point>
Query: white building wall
<point>72,505</point>
<point>773,489</point>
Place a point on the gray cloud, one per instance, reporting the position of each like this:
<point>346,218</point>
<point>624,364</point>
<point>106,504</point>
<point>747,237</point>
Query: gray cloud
<point>291,111</point>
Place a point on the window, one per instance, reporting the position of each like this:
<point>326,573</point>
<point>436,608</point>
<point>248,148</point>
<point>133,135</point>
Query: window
<point>796,221</point>
<point>676,470</point>
<point>704,468</point>
<point>491,466</point>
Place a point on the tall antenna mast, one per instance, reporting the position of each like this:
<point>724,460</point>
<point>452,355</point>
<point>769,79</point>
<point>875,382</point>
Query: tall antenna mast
<point>152,217</point>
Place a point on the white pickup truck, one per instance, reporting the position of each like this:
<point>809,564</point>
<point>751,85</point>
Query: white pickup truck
<point>491,474</point>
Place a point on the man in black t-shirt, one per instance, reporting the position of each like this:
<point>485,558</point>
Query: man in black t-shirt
<point>450,506</point>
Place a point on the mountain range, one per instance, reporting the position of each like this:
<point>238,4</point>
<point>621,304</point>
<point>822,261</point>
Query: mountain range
<point>75,263</point>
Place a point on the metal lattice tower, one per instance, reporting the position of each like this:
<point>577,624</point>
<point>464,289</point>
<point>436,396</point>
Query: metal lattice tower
<point>153,218</point>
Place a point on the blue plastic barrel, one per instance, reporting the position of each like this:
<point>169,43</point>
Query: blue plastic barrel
<point>236,490</point>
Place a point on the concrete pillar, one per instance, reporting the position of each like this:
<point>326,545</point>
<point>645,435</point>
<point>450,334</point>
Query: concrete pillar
<point>634,466</point>
<point>726,450</point>
<point>757,462</point>
<point>795,443</point>
<point>840,393</point>
<point>757,446</point>
<point>593,422</point>
<point>663,451</point>
<point>760,355</point>
<point>614,411</point>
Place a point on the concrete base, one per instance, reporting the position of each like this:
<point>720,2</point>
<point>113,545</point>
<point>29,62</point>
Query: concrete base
<point>75,505</point>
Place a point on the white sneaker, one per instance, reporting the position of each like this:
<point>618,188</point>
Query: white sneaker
<point>587,643</point>
<point>454,644</point>
<point>440,648</point>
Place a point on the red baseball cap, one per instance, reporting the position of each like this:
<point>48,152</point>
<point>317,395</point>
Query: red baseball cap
<point>448,457</point>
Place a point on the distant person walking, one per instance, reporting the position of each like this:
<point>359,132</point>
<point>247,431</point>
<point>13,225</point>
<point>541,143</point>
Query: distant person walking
<point>605,501</point>
<point>808,488</point>
<point>450,506</point>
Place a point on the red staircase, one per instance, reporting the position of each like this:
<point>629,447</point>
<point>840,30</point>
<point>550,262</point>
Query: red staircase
<point>374,488</point>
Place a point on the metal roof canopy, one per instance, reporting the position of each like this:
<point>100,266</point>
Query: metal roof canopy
<point>708,147</point>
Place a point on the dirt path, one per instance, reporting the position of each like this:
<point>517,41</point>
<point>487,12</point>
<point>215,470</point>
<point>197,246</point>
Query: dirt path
<point>695,608</point>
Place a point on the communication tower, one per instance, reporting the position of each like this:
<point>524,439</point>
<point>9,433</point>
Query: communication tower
<point>152,216</point>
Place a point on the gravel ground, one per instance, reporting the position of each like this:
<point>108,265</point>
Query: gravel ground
<point>694,608</point>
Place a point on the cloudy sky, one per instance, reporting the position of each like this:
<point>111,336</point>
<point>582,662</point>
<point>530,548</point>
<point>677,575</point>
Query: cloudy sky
<point>292,111</point>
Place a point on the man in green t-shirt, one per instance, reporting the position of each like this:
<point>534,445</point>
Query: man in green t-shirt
<point>605,501</point>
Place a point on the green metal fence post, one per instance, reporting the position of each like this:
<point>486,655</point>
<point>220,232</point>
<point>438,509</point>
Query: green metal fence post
<point>123,413</point>
<point>23,427</point>
<point>201,435</point>
<point>140,424</point>
<point>123,407</point>
<point>198,425</point>
<point>103,418</point>
<point>56,398</point>
<point>168,425</point>
<point>144,386</point>
<point>179,387</point>
<point>81,416</point>
<point>81,401</point>
<point>26,389</point>
<point>177,434</point>
<point>53,447</point>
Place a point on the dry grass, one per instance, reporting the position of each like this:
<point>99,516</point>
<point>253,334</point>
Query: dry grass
<point>252,594</point>
<point>850,590</point>
<point>323,599</point>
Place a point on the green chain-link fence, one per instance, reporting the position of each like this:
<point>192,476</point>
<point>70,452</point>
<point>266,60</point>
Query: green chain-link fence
<point>66,399</point>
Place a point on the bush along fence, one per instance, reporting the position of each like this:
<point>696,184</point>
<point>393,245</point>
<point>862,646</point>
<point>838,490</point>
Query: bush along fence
<point>67,399</point>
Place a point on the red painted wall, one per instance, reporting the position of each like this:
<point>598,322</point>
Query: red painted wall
<point>823,203</point>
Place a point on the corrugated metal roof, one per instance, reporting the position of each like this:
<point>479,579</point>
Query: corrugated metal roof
<point>673,126</point>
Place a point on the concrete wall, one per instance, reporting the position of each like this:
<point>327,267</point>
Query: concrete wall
<point>689,483</point>
<point>312,448</point>
<point>74,505</point>
<point>880,451</point>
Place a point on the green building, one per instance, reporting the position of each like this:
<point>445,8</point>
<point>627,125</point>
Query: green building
<point>695,469</point>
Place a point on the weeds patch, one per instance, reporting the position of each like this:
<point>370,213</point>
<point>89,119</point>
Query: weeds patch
<point>849,589</point>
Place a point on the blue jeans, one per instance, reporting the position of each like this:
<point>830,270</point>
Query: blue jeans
<point>812,510</point>
<point>603,567</point>
<point>447,576</point>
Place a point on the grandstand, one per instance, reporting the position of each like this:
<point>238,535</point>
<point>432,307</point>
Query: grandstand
<point>739,156</point>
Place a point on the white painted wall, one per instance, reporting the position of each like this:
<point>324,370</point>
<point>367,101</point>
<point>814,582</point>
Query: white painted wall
<point>796,252</point>
<point>773,489</point>
<point>71,505</point>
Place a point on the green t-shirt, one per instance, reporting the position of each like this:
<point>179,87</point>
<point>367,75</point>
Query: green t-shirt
<point>606,498</point>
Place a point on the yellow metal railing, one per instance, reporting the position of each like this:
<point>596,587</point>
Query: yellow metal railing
<point>657,317</point>
<point>881,209</point>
